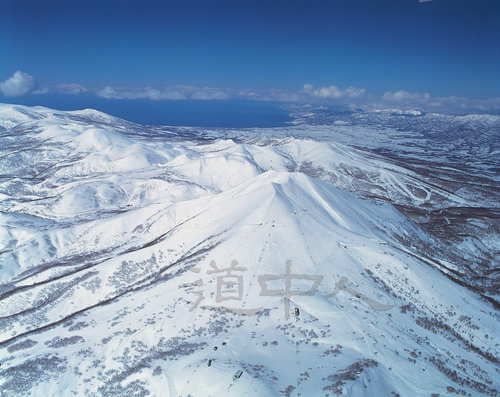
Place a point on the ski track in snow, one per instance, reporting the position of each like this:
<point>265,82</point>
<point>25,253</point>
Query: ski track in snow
<point>161,261</point>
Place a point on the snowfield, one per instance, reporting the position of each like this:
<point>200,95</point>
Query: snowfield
<point>355,255</point>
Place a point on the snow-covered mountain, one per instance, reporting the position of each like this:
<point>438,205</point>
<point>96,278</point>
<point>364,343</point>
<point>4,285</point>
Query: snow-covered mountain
<point>312,260</point>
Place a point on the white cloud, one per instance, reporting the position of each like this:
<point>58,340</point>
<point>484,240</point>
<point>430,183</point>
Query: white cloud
<point>268,95</point>
<point>129,93</point>
<point>208,94</point>
<point>333,92</point>
<point>41,90</point>
<point>405,96</point>
<point>21,83</point>
<point>69,89</point>
<point>18,84</point>
<point>185,92</point>
<point>448,104</point>
<point>117,93</point>
<point>172,93</point>
<point>354,92</point>
<point>454,104</point>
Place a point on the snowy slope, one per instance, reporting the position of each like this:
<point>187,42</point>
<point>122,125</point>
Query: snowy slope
<point>170,262</point>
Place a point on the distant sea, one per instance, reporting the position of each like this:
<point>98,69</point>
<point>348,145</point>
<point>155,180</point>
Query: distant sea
<point>196,113</point>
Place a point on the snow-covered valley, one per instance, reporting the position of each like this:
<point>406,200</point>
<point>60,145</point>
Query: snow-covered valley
<point>354,256</point>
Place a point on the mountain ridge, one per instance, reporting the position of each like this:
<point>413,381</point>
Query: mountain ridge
<point>129,254</point>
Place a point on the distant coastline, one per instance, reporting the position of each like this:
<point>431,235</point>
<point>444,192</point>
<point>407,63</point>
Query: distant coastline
<point>193,113</point>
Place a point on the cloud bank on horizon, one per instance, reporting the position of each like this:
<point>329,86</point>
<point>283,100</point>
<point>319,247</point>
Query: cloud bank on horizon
<point>18,84</point>
<point>22,84</point>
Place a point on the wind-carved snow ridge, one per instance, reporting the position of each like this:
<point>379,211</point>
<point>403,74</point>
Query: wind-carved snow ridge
<point>310,260</point>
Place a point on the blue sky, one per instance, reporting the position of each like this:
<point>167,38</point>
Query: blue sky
<point>403,52</point>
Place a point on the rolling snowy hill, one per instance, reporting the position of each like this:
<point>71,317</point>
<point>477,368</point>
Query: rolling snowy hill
<point>348,257</point>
